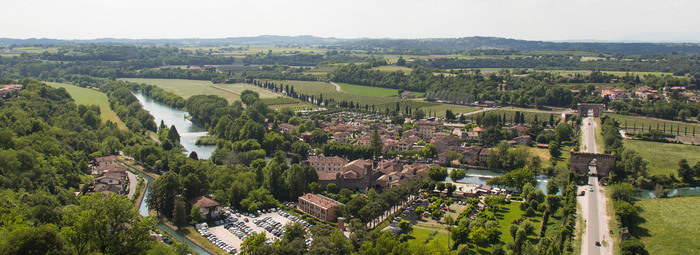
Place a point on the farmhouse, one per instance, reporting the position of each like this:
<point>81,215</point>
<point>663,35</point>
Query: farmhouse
<point>407,94</point>
<point>207,207</point>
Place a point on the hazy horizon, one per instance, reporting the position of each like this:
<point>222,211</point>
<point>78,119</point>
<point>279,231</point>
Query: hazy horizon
<point>538,20</point>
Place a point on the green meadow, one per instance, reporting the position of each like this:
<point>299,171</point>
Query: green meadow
<point>87,96</point>
<point>663,158</point>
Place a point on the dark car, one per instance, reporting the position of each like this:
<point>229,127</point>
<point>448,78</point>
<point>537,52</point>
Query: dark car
<point>597,243</point>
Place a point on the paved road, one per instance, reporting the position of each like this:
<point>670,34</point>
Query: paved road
<point>593,203</point>
<point>133,182</point>
<point>588,140</point>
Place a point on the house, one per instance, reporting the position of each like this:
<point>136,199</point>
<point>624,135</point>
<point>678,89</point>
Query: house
<point>10,89</point>
<point>520,129</point>
<point>490,103</point>
<point>318,206</point>
<point>484,155</point>
<point>522,140</point>
<point>473,136</point>
<point>100,170</point>
<point>207,206</point>
<point>427,129</point>
<point>407,94</point>
<point>285,127</point>
<point>443,141</point>
<point>111,182</point>
<point>327,164</point>
<point>341,137</point>
<point>306,136</point>
<point>103,161</point>
<point>612,93</point>
<point>471,154</point>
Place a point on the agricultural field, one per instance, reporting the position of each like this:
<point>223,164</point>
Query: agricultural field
<point>664,163</point>
<point>670,225</point>
<point>188,88</point>
<point>629,122</point>
<point>87,96</point>
<point>373,91</point>
<point>393,68</point>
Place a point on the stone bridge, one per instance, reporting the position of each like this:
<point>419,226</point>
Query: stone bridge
<point>598,164</point>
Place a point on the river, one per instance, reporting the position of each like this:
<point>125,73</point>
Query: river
<point>189,132</point>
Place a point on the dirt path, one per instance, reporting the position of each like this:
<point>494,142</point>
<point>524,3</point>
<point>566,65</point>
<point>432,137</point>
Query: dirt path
<point>337,87</point>
<point>226,90</point>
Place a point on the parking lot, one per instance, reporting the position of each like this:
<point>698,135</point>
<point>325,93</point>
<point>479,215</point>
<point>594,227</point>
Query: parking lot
<point>229,234</point>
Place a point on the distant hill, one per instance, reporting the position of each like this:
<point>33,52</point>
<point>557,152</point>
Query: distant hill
<point>416,46</point>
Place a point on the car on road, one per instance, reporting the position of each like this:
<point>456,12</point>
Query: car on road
<point>597,243</point>
<point>583,192</point>
<point>590,190</point>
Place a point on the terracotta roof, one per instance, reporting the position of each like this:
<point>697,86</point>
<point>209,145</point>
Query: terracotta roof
<point>203,202</point>
<point>319,200</point>
<point>327,160</point>
<point>323,176</point>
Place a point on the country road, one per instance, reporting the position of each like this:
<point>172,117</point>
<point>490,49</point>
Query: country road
<point>337,87</point>
<point>593,203</point>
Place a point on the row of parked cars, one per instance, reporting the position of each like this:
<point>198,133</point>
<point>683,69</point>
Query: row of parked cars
<point>271,226</point>
<point>203,230</point>
<point>239,229</point>
<point>295,219</point>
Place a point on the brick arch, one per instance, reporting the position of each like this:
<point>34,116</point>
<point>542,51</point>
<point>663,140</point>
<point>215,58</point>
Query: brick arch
<point>580,162</point>
<point>584,108</point>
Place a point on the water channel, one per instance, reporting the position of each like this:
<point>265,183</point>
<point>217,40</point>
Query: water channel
<point>189,132</point>
<point>143,211</point>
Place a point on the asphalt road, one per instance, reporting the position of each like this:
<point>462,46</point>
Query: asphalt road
<point>593,203</point>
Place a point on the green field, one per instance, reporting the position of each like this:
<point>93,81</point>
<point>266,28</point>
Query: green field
<point>670,226</point>
<point>646,122</point>
<point>393,68</point>
<point>188,88</point>
<point>663,157</point>
<point>456,109</point>
<point>328,91</point>
<point>421,233</point>
<point>508,214</point>
<point>372,91</point>
<point>87,96</point>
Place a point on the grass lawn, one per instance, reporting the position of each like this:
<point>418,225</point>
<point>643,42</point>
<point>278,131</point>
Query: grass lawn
<point>663,157</point>
<point>670,226</point>
<point>372,91</point>
<point>599,141</point>
<point>508,214</point>
<point>644,122</point>
<point>421,233</point>
<point>545,156</point>
<point>87,96</point>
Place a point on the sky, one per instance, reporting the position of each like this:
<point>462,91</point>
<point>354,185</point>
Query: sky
<point>548,20</point>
